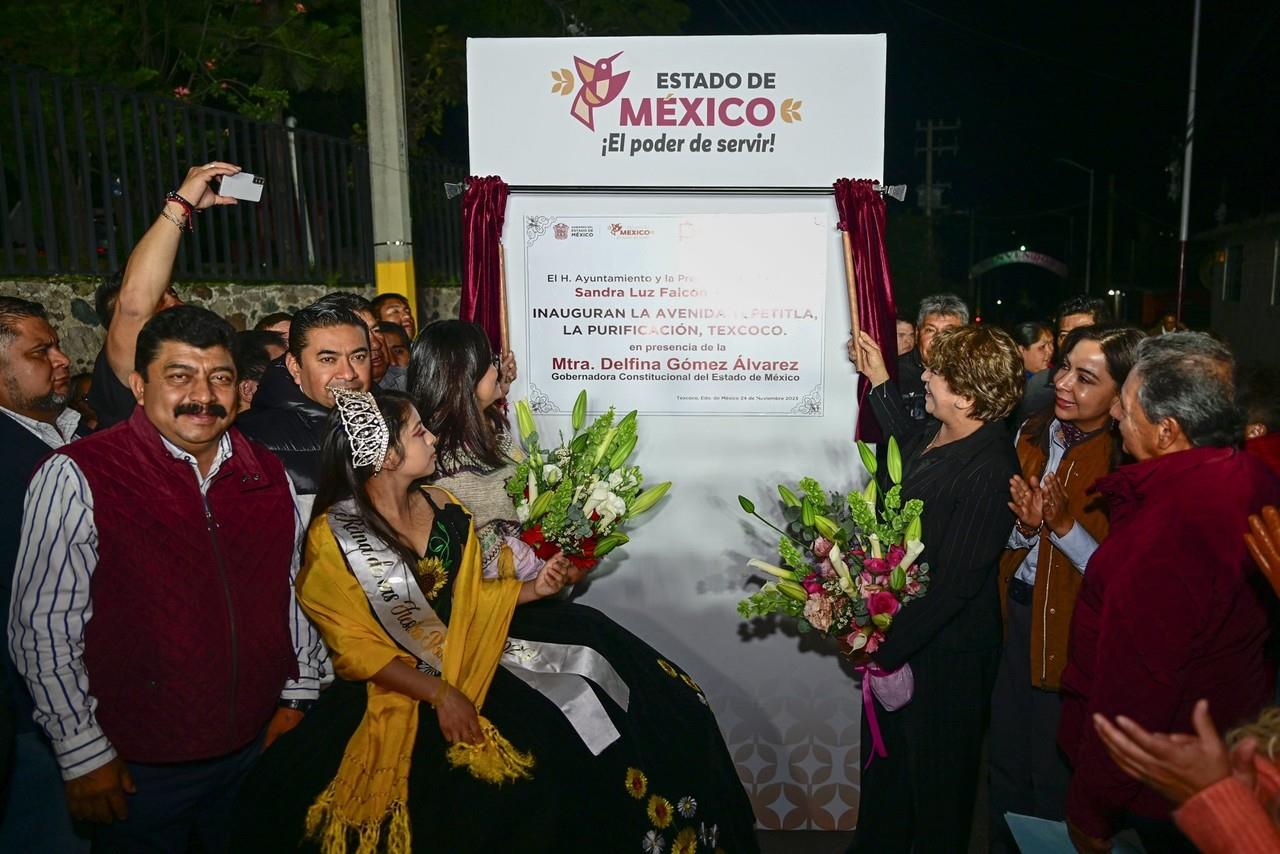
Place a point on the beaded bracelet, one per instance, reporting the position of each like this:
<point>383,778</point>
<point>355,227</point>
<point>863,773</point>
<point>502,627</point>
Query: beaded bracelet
<point>173,218</point>
<point>188,208</point>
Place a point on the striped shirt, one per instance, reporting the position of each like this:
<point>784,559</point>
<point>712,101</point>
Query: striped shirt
<point>52,605</point>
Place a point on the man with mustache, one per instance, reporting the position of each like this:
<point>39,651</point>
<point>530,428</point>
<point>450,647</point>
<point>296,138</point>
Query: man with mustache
<point>34,420</point>
<point>153,616</point>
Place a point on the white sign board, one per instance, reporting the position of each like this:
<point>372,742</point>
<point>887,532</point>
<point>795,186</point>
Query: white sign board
<point>753,111</point>
<point>682,314</point>
<point>785,111</point>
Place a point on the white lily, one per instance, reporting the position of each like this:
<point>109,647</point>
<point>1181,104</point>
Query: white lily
<point>756,563</point>
<point>876,551</point>
<point>842,570</point>
<point>551,473</point>
<point>615,479</point>
<point>914,549</point>
<point>533,487</point>
<point>522,512</point>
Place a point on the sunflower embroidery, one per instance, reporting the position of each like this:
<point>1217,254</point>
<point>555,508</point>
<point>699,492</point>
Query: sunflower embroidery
<point>686,842</point>
<point>667,668</point>
<point>431,575</point>
<point>637,783</point>
<point>654,843</point>
<point>686,806</point>
<point>660,811</point>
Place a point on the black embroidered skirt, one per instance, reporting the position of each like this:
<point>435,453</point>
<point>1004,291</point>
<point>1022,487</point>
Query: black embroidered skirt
<point>667,785</point>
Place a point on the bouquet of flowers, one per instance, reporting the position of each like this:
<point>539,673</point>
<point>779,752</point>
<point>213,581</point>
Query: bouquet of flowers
<point>574,497</point>
<point>848,568</point>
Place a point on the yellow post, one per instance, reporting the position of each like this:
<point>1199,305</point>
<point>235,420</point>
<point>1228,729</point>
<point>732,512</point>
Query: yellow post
<point>396,277</point>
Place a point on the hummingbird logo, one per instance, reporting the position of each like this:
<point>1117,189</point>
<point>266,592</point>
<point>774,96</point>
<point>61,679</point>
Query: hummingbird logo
<point>600,85</point>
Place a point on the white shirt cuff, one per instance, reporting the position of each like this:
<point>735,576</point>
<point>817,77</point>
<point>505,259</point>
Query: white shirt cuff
<point>1078,545</point>
<point>83,752</point>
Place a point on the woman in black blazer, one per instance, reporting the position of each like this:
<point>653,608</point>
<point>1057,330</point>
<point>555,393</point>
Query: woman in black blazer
<point>921,796</point>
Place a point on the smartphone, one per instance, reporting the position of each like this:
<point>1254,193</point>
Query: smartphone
<point>242,185</point>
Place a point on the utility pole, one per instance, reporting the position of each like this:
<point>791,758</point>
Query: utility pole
<point>1186,160</point>
<point>1111,224</point>
<point>934,143</point>
<point>1088,238</point>
<point>388,149</point>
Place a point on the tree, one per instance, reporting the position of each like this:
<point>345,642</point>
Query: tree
<point>249,56</point>
<point>435,42</point>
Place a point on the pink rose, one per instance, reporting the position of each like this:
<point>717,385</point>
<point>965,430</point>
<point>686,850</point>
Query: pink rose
<point>895,556</point>
<point>812,584</point>
<point>826,569</point>
<point>883,602</point>
<point>912,588</point>
<point>821,548</point>
<point>877,566</point>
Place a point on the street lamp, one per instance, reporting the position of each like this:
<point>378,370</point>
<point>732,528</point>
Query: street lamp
<point>1088,240</point>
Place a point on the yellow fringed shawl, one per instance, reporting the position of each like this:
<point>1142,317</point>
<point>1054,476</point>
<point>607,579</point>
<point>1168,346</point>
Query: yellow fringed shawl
<point>371,787</point>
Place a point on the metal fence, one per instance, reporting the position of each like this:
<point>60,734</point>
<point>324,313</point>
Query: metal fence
<point>85,169</point>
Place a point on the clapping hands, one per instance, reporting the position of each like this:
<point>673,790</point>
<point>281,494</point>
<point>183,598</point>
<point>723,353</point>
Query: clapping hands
<point>1176,765</point>
<point>1263,541</point>
<point>1041,501</point>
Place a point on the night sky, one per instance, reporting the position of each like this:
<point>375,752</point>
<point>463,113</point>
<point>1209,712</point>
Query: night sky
<point>1101,83</point>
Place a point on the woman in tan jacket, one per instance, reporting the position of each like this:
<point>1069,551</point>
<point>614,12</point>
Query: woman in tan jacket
<point>1062,452</point>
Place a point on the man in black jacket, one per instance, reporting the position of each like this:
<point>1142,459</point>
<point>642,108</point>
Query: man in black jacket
<point>328,347</point>
<point>34,420</point>
<point>937,312</point>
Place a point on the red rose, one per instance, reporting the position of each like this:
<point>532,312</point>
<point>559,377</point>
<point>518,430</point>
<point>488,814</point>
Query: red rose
<point>544,549</point>
<point>883,602</point>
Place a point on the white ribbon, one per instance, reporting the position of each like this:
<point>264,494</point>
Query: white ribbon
<point>557,671</point>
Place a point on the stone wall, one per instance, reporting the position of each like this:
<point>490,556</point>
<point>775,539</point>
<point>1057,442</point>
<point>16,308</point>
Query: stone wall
<point>69,302</point>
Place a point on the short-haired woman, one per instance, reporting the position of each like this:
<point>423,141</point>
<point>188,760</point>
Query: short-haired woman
<point>1063,451</point>
<point>920,797</point>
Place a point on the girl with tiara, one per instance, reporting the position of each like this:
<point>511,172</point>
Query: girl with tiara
<point>446,730</point>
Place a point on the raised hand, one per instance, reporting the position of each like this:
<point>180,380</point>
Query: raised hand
<point>865,354</point>
<point>1263,541</point>
<point>1026,501</point>
<point>1177,766</point>
<point>197,187</point>
<point>1054,506</point>
<point>507,372</point>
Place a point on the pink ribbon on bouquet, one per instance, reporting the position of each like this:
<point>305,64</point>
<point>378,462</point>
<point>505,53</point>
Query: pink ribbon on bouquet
<point>869,709</point>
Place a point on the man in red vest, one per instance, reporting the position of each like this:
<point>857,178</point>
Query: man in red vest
<point>1172,608</point>
<point>153,616</point>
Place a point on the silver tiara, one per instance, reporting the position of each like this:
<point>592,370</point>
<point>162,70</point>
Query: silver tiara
<point>365,427</point>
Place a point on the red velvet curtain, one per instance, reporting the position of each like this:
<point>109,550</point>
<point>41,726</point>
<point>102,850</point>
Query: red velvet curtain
<point>861,210</point>
<point>484,207</point>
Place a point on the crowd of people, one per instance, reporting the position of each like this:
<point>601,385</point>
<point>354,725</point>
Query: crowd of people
<point>1100,524</point>
<point>265,589</point>
<point>272,599</point>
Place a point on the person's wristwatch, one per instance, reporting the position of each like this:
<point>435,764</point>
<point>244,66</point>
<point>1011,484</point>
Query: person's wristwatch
<point>303,706</point>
